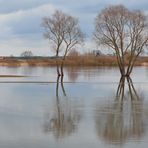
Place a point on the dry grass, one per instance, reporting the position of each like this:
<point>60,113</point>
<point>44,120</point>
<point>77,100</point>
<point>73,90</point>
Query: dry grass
<point>79,60</point>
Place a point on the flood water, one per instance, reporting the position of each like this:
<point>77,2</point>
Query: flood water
<point>92,108</point>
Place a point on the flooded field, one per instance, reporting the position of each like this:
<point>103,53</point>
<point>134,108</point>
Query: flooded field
<point>89,107</point>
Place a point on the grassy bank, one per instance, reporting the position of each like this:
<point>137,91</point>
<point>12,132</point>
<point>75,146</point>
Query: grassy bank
<point>87,60</point>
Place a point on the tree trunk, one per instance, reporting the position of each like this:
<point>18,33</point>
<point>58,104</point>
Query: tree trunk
<point>62,86</point>
<point>63,60</point>
<point>57,62</point>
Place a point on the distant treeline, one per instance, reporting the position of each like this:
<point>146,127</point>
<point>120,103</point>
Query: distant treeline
<point>29,57</point>
<point>71,60</point>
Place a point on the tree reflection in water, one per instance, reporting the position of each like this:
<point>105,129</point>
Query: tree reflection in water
<point>122,119</point>
<point>63,120</point>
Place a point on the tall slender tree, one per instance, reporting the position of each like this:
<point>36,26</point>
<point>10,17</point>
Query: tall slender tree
<point>63,32</point>
<point>54,32</point>
<point>72,37</point>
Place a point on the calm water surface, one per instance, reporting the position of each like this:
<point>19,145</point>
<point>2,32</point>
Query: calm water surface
<point>84,111</point>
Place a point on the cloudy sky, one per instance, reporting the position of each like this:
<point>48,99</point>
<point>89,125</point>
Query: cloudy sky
<point>20,21</point>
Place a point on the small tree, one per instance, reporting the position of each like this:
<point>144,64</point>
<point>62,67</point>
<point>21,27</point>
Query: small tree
<point>123,31</point>
<point>72,37</point>
<point>26,54</point>
<point>54,31</point>
<point>63,32</point>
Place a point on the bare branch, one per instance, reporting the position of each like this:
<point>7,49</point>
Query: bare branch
<point>124,31</point>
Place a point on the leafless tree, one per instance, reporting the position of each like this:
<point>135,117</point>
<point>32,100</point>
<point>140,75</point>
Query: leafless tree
<point>72,37</point>
<point>63,32</point>
<point>124,31</point>
<point>26,54</point>
<point>54,31</point>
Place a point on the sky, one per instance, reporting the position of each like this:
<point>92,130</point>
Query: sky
<point>20,22</point>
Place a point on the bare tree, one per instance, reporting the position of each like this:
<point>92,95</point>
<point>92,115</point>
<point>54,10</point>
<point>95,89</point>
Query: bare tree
<point>54,31</point>
<point>124,31</point>
<point>63,32</point>
<point>26,54</point>
<point>72,37</point>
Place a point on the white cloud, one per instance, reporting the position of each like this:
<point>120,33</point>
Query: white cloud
<point>9,6</point>
<point>22,30</point>
<point>25,16</point>
<point>20,20</point>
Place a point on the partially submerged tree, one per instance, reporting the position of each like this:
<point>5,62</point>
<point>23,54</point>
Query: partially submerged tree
<point>72,37</point>
<point>54,31</point>
<point>124,31</point>
<point>63,32</point>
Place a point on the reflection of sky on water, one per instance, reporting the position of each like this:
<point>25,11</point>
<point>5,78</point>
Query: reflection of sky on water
<point>22,107</point>
<point>89,74</point>
<point>100,74</point>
